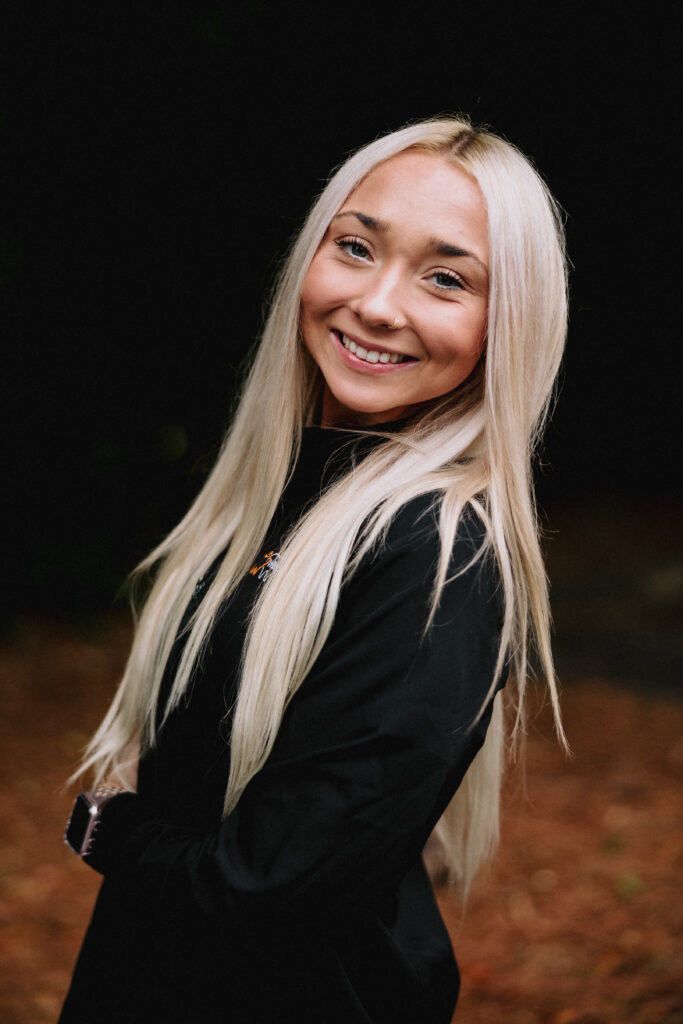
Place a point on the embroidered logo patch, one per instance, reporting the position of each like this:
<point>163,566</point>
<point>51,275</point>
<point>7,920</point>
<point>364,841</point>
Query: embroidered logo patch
<point>268,565</point>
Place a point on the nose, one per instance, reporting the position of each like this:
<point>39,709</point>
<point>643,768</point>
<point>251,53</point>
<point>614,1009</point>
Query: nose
<point>379,303</point>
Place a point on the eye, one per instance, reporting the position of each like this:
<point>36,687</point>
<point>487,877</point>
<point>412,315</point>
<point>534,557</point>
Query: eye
<point>354,247</point>
<point>447,280</point>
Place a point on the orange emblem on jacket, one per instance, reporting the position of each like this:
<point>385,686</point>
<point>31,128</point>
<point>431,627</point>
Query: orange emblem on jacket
<point>268,565</point>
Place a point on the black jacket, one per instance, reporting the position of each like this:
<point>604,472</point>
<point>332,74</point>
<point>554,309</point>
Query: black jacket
<point>310,901</point>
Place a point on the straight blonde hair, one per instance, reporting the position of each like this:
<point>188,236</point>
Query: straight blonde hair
<point>471,448</point>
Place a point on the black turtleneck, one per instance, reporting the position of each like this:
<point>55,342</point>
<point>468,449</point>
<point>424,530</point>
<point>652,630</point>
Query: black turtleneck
<point>310,901</point>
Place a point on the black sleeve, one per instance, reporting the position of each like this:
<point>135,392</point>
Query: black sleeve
<point>370,750</point>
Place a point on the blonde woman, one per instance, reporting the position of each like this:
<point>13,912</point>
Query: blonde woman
<point>330,664</point>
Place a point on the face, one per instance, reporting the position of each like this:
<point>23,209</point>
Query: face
<point>393,307</point>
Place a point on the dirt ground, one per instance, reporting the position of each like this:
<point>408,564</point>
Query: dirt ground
<point>579,921</point>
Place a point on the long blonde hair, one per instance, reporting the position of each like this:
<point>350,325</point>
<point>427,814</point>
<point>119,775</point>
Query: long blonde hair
<point>470,448</point>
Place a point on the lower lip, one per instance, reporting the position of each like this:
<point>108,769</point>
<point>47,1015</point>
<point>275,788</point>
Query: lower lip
<point>363,366</point>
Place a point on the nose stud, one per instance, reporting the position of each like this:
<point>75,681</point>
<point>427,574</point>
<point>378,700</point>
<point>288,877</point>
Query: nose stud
<point>394,325</point>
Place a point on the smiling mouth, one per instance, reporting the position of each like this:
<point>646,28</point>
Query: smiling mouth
<point>371,355</point>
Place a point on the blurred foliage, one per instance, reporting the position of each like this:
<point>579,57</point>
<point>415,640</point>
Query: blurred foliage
<point>214,29</point>
<point>171,442</point>
<point>577,920</point>
<point>10,259</point>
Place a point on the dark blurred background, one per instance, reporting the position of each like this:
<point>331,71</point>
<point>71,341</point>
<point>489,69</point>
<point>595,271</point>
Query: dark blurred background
<point>158,159</point>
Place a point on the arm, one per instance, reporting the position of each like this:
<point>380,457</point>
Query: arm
<point>369,753</point>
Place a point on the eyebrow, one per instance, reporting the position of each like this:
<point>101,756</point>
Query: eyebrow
<point>437,244</point>
<point>447,249</point>
<point>366,220</point>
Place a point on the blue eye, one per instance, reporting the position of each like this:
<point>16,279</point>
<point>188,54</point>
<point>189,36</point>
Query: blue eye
<point>448,282</point>
<point>353,247</point>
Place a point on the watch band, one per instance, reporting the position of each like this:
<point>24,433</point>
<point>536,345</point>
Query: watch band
<point>85,817</point>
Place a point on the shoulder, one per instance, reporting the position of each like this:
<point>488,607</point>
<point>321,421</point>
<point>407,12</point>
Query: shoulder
<point>416,527</point>
<point>439,654</point>
<point>411,549</point>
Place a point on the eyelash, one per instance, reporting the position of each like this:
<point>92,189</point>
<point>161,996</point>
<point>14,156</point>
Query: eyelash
<point>457,282</point>
<point>454,278</point>
<point>351,240</point>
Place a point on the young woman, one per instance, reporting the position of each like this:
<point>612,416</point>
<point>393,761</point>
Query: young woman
<point>331,661</point>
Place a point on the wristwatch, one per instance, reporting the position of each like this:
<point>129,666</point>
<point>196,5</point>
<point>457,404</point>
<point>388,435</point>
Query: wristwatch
<point>85,817</point>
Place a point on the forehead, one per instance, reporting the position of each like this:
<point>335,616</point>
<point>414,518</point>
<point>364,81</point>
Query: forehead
<point>424,194</point>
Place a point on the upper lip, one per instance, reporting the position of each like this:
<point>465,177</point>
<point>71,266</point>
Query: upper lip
<point>371,346</point>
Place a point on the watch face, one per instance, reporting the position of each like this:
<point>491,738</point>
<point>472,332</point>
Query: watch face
<point>79,824</point>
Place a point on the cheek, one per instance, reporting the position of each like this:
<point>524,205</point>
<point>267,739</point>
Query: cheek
<point>307,300</point>
<point>464,339</point>
<point>315,289</point>
<point>326,287</point>
<point>311,311</point>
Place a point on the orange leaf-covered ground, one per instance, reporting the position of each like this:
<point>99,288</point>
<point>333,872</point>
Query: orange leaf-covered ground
<point>578,922</point>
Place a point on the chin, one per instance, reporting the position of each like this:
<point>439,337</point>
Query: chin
<point>336,411</point>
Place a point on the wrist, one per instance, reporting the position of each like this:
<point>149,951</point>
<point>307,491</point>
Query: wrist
<point>86,816</point>
<point>99,824</point>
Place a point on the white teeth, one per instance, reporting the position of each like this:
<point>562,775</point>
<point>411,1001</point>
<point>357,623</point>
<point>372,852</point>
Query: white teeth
<point>370,355</point>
